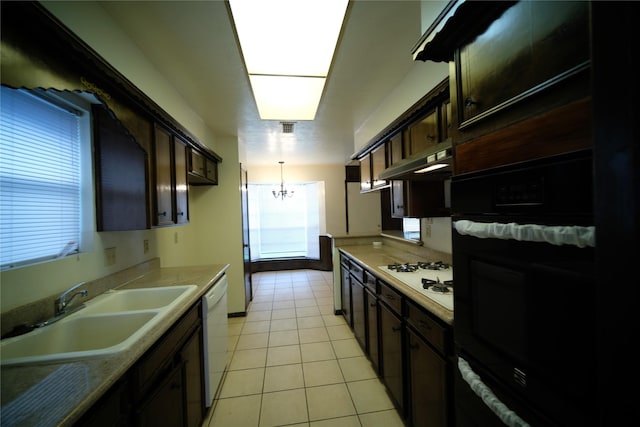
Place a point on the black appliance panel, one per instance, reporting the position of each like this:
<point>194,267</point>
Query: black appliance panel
<point>525,311</point>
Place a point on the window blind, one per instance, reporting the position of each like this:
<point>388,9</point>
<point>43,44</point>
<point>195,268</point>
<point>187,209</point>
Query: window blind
<point>39,179</point>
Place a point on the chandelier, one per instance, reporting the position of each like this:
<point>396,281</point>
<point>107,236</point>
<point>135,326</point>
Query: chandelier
<point>283,193</point>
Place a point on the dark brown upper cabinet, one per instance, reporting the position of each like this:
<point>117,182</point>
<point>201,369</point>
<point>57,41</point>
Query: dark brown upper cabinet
<point>171,197</point>
<point>120,175</point>
<point>52,56</point>
<point>372,164</point>
<point>180,177</point>
<point>395,149</point>
<point>378,165</point>
<point>202,170</point>
<point>365,174</point>
<point>424,133</point>
<point>419,199</point>
<point>416,139</point>
<point>519,75</point>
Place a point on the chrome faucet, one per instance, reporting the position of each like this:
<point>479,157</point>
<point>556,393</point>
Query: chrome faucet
<point>64,299</point>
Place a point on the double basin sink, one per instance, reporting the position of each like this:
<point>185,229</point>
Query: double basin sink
<point>108,324</point>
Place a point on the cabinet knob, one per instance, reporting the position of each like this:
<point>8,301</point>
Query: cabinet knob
<point>424,324</point>
<point>162,213</point>
<point>470,102</point>
<point>181,213</point>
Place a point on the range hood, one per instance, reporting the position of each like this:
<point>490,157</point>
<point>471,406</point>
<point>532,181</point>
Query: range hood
<point>433,164</point>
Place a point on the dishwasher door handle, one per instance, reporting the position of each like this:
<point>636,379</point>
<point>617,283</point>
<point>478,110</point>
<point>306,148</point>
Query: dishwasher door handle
<point>216,293</point>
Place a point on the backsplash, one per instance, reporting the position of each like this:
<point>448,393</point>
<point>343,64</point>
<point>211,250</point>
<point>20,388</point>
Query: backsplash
<point>43,309</point>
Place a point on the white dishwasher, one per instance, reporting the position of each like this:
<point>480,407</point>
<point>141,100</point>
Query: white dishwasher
<point>214,314</point>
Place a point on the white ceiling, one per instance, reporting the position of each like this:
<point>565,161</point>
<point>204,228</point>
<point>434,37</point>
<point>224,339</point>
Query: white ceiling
<point>193,44</point>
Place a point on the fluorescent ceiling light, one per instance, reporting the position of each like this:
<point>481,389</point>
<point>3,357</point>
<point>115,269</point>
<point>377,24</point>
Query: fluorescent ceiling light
<point>287,98</point>
<point>288,38</point>
<point>432,168</point>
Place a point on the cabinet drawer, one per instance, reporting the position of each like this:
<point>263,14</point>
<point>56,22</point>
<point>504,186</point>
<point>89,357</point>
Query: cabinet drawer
<point>370,282</point>
<point>391,297</point>
<point>159,358</point>
<point>344,260</point>
<point>356,271</point>
<point>428,327</point>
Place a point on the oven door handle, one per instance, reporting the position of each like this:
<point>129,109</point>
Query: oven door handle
<point>554,234</point>
<point>507,416</point>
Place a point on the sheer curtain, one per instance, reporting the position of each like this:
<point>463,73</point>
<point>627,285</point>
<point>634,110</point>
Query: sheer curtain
<point>284,228</point>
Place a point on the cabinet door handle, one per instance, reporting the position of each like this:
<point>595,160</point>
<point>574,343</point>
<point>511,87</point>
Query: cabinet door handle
<point>396,328</point>
<point>424,324</point>
<point>470,102</point>
<point>181,213</point>
<point>162,213</point>
<point>373,304</point>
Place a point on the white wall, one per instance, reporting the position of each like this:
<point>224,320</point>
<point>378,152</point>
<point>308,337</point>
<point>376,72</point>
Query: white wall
<point>214,232</point>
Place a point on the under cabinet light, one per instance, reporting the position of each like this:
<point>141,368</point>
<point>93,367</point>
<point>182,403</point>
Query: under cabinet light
<point>432,168</point>
<point>287,47</point>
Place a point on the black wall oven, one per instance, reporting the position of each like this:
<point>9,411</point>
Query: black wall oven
<point>524,254</point>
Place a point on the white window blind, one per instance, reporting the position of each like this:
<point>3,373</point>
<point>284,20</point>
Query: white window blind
<point>39,179</point>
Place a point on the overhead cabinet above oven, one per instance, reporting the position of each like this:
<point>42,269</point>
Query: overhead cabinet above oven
<point>519,75</point>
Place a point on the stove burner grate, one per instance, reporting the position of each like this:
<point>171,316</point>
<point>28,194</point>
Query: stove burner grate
<point>409,268</point>
<point>437,265</point>
<point>437,285</point>
<point>403,268</point>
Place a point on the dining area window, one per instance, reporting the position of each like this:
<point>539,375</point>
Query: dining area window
<point>284,225</point>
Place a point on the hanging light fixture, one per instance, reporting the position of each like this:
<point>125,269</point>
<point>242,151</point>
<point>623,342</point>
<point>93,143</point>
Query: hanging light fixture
<point>283,193</point>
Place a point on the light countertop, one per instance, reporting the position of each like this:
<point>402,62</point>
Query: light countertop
<point>371,258</point>
<point>58,394</point>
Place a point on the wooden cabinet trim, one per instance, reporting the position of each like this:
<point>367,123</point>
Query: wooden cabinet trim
<point>568,126</point>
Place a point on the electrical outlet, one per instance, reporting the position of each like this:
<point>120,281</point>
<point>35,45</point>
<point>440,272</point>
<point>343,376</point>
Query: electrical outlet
<point>145,244</point>
<point>175,237</point>
<point>427,231</point>
<point>109,256</point>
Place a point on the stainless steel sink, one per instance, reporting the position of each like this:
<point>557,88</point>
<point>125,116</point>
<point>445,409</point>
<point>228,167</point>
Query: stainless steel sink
<point>109,324</point>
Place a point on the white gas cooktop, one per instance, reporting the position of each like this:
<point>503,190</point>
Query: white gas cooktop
<point>414,280</point>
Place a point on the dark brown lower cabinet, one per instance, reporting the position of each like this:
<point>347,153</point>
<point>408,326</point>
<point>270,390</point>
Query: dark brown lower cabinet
<point>358,312</point>
<point>407,345</point>
<point>112,410</point>
<point>191,355</point>
<point>391,355</point>
<point>345,291</point>
<point>165,405</point>
<point>373,350</point>
<point>165,387</point>
<point>428,381</point>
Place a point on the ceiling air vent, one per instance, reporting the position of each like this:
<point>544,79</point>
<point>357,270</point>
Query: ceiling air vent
<point>287,127</point>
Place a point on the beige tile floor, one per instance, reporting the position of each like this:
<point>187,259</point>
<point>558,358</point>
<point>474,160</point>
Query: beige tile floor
<point>293,362</point>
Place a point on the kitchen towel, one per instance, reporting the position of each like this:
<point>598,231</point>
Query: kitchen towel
<point>507,416</point>
<point>556,235</point>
